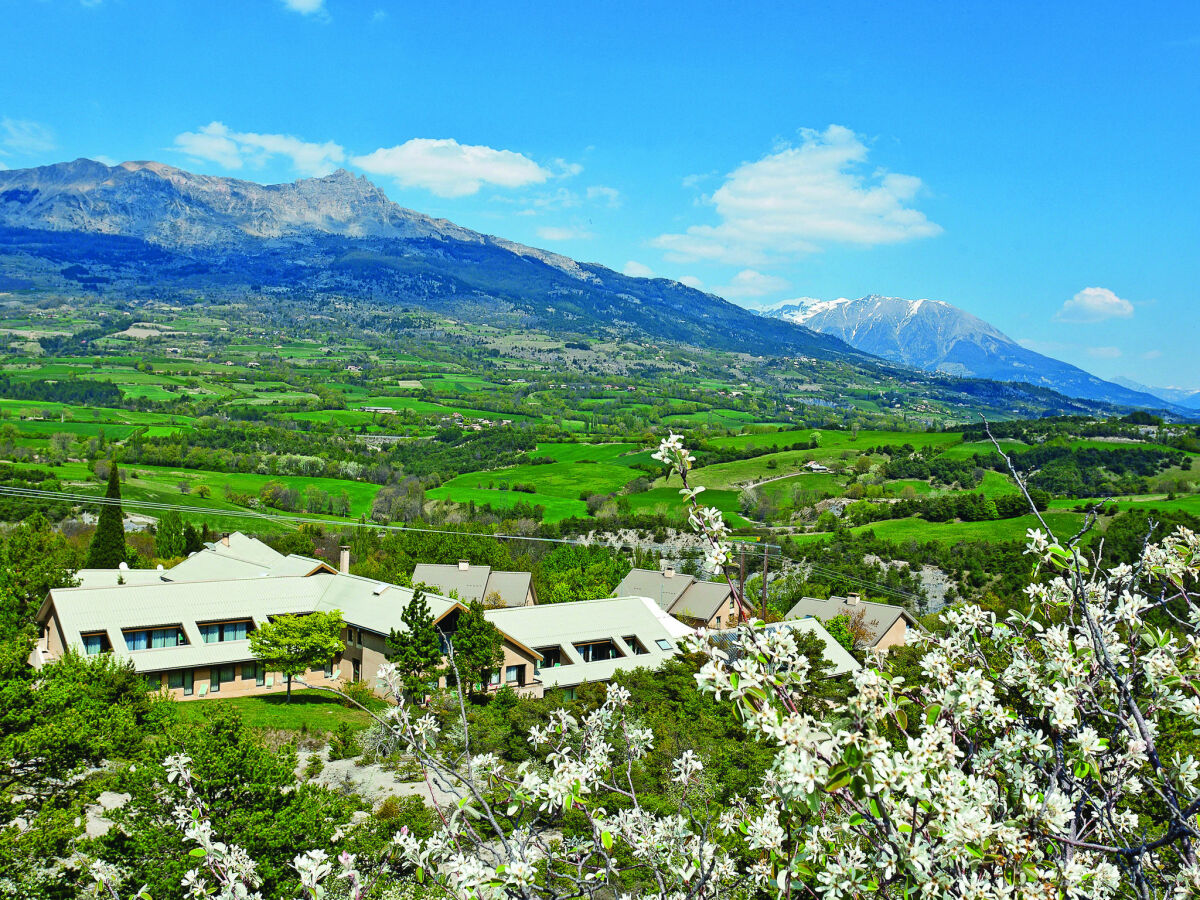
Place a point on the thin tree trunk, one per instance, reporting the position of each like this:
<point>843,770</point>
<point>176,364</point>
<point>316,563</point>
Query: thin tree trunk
<point>289,691</point>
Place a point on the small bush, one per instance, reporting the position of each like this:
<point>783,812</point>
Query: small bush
<point>314,767</point>
<point>359,693</point>
<point>343,743</point>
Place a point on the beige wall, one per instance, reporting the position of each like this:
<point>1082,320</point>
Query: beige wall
<point>894,636</point>
<point>243,687</point>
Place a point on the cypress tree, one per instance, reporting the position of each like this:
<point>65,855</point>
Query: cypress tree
<point>107,550</point>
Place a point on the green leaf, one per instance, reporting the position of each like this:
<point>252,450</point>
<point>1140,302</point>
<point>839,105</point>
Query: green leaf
<point>197,851</point>
<point>932,712</point>
<point>902,719</point>
<point>606,839</point>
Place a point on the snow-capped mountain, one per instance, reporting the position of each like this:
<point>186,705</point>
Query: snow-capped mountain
<point>934,335</point>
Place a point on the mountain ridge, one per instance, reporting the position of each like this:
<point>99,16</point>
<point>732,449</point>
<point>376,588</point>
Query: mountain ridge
<point>340,233</point>
<point>939,337</point>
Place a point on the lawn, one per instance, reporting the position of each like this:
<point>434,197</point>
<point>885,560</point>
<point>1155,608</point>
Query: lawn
<point>1063,524</point>
<point>839,440</point>
<point>312,711</point>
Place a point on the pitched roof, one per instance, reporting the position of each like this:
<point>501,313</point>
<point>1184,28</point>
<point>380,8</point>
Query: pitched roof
<point>879,616</point>
<point>368,604</point>
<point>680,595</point>
<point>475,583</point>
<point>730,643</point>
<point>663,589</point>
<point>584,621</point>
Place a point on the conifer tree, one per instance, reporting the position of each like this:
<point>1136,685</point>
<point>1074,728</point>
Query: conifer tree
<point>416,652</point>
<point>107,550</point>
<point>478,648</point>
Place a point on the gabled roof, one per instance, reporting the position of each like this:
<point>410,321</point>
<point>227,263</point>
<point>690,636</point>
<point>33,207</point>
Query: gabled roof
<point>702,600</point>
<point>663,589</point>
<point>566,624</point>
<point>879,617</point>
<point>368,604</point>
<point>679,595</point>
<point>475,583</point>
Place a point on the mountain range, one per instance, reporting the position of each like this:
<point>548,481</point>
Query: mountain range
<point>939,337</point>
<point>144,227</point>
<point>146,230</point>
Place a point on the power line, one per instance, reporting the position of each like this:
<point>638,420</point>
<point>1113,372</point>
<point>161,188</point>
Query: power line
<point>36,493</point>
<point>158,506</point>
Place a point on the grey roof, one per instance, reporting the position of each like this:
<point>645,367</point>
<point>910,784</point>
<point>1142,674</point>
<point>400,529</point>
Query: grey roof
<point>879,616</point>
<point>680,595</point>
<point>94,578</point>
<point>662,589</point>
<point>474,583</point>
<point>702,600</point>
<point>246,548</point>
<point>566,624</point>
<point>730,642</point>
<point>365,603</point>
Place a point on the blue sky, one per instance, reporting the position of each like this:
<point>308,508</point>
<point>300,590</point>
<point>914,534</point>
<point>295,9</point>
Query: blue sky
<point>1033,163</point>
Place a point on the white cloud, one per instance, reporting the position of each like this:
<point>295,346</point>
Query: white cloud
<point>102,158</point>
<point>1104,352</point>
<point>305,7</point>
<point>567,169</point>
<point>749,283</point>
<point>1152,354</point>
<point>554,233</point>
<point>799,198</point>
<point>608,195</point>
<point>1094,304</point>
<point>215,142</point>
<point>25,136</point>
<point>691,281</point>
<point>450,169</point>
<point>637,270</point>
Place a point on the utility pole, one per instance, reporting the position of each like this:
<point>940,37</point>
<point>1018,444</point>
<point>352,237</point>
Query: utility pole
<point>766,554</point>
<point>742,582</point>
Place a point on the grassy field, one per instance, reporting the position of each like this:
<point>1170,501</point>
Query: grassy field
<point>312,711</point>
<point>1062,524</point>
<point>580,469</point>
<point>838,440</point>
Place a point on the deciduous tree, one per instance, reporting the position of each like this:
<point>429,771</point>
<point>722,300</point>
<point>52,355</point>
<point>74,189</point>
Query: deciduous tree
<point>291,645</point>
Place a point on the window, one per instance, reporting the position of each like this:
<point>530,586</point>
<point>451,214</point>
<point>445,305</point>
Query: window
<point>220,675</point>
<point>551,657</point>
<point>255,671</point>
<point>663,644</point>
<point>217,632</point>
<point>153,681</point>
<point>636,647</point>
<point>180,681</point>
<point>494,678</point>
<point>357,669</point>
<point>514,675</point>
<point>329,669</point>
<point>153,638</point>
<point>568,693</point>
<point>94,643</point>
<point>598,651</point>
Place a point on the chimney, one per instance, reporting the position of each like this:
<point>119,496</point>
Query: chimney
<point>852,599</point>
<point>344,560</point>
<point>463,565</point>
<point>668,571</point>
<point>225,539</point>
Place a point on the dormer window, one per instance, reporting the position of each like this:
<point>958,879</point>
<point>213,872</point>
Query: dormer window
<point>95,642</point>
<point>154,638</point>
<point>219,632</point>
<point>636,647</point>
